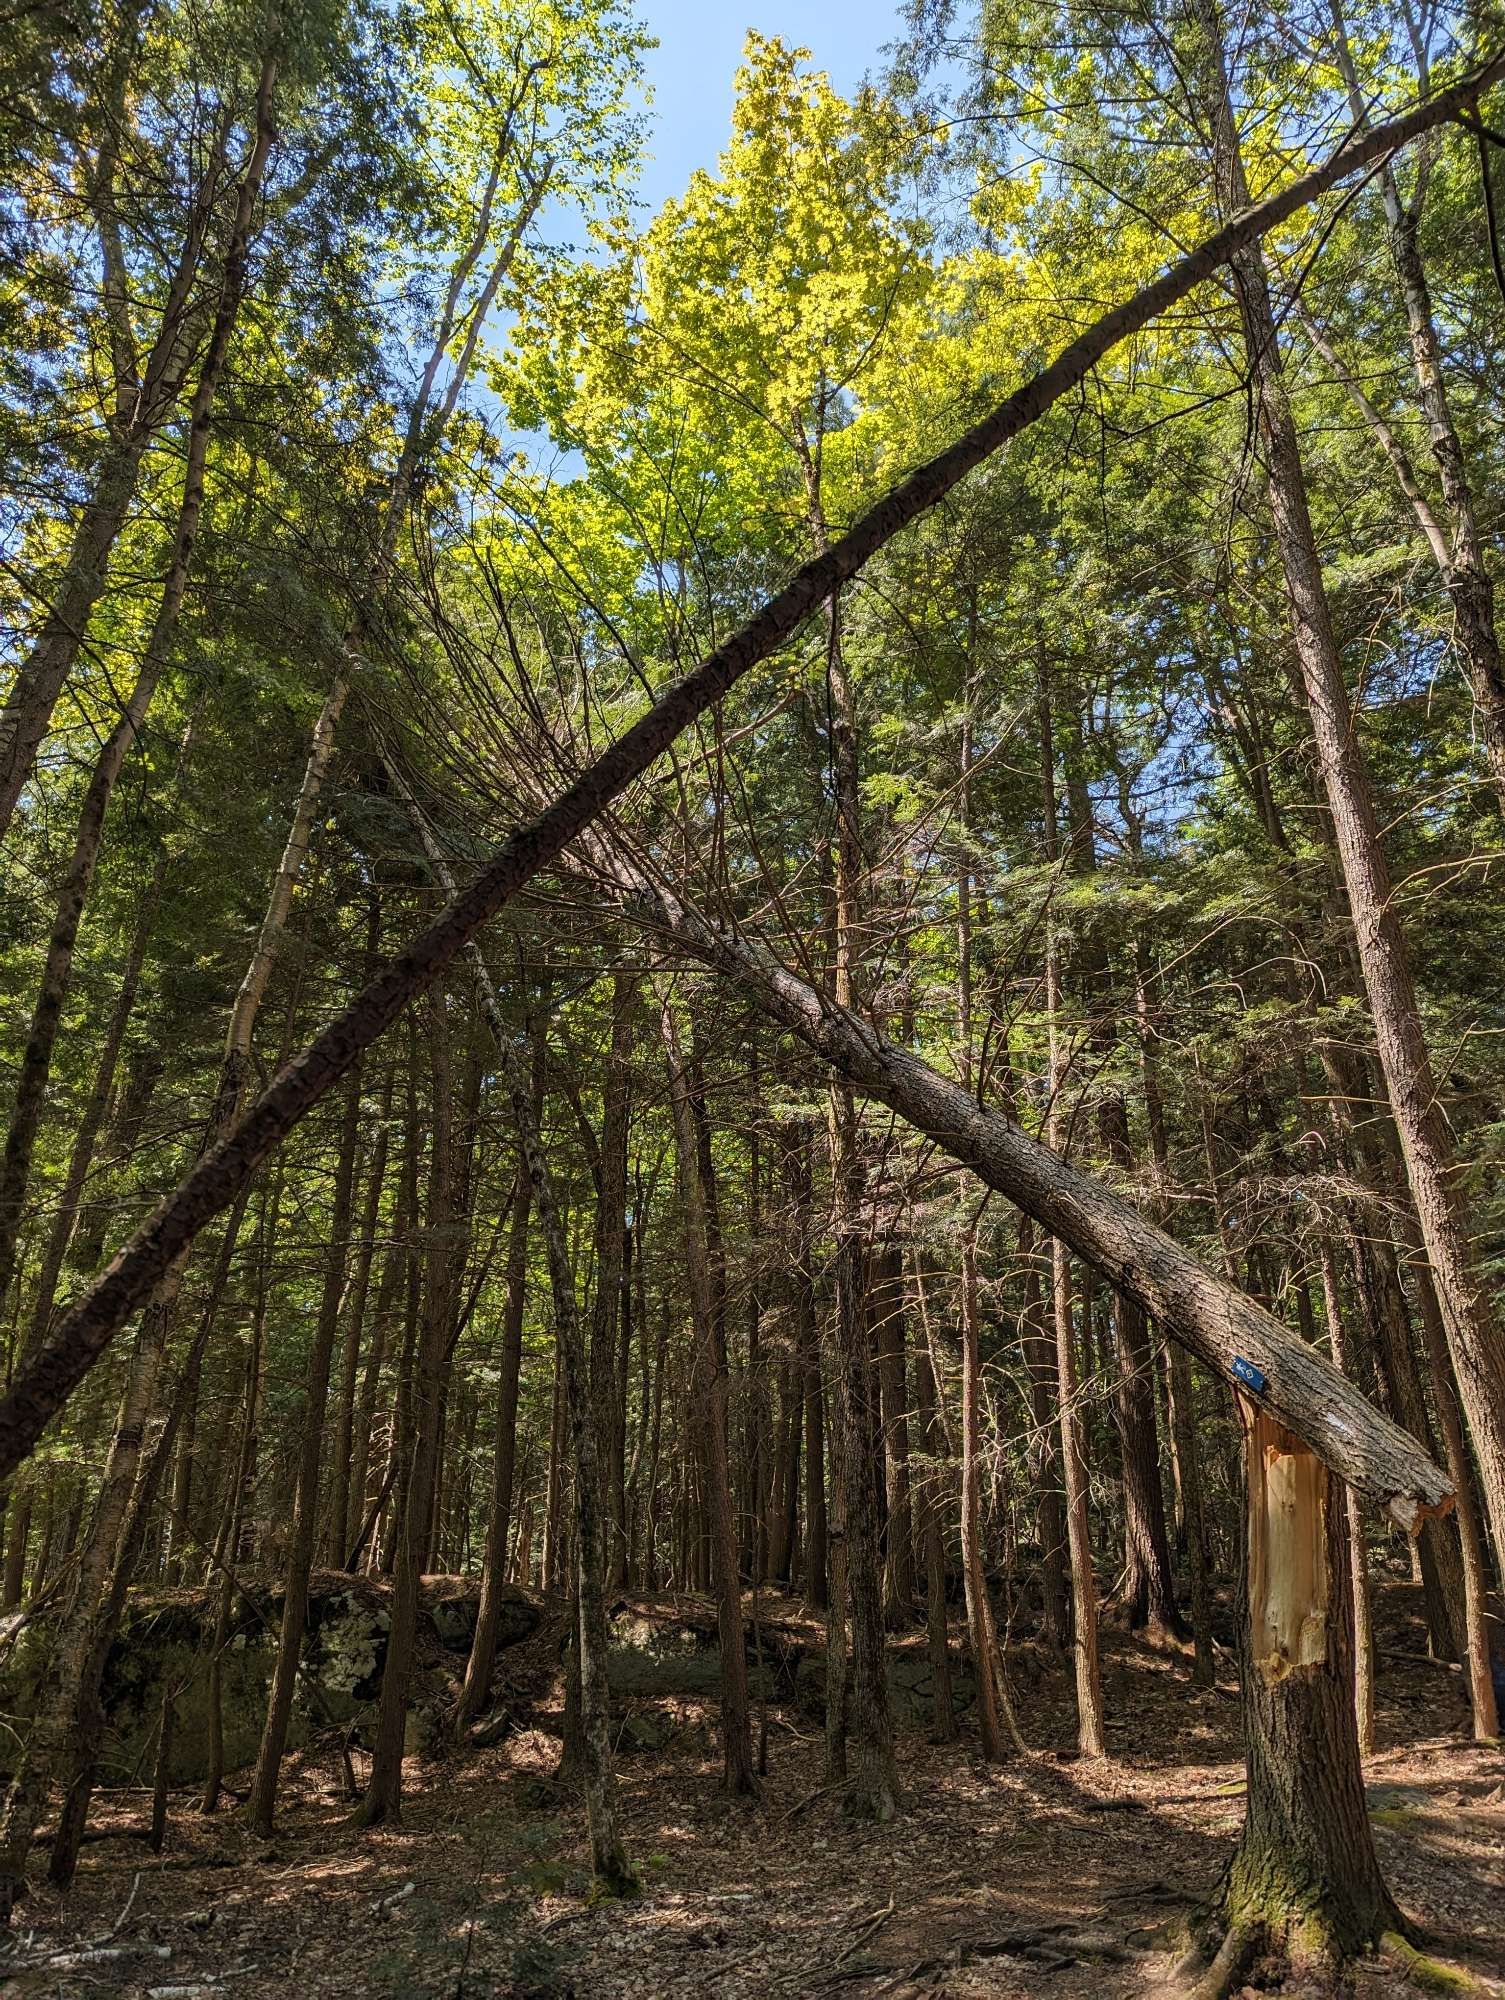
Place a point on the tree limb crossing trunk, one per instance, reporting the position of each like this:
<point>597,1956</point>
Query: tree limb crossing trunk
<point>87,1330</point>
<point>1219,1324</point>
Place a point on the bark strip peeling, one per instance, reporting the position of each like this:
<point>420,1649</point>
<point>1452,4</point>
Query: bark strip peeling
<point>87,1329</point>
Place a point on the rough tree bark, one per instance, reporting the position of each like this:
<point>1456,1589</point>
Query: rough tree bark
<point>1304,1879</point>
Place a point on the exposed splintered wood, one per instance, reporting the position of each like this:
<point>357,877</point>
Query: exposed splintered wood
<point>1289,1583</point>
<point>1305,1880</point>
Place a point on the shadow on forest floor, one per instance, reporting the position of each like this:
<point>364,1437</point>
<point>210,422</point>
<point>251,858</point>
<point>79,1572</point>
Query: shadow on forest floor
<point>1049,1878</point>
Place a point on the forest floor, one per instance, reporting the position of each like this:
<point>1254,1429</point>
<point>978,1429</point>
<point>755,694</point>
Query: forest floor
<point>1047,1878</point>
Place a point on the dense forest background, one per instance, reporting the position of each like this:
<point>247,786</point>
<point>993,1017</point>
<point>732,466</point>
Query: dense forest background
<point>372,460</point>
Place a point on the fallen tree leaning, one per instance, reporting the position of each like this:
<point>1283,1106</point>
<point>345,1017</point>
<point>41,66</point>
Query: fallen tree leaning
<point>1247,1347</point>
<point>87,1328</point>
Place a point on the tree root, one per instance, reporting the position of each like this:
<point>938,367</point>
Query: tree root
<point>1429,1975</point>
<point>1196,1977</point>
<point>1201,1980</point>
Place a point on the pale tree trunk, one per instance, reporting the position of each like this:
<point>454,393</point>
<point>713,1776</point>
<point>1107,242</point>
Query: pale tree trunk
<point>886,1302</point>
<point>482,1657</point>
<point>304,1527</point>
<point>1358,1553</point>
<point>1044,1458</point>
<point>354,1310</point>
<point>88,1329</point>
<point>980,1624</point>
<point>1184,1437</point>
<point>755,1414</point>
<point>932,1508</point>
<point>1091,1739</point>
<point>611,1257</point>
<point>710,1405</point>
<point>1474,1337</point>
<point>807,1394</point>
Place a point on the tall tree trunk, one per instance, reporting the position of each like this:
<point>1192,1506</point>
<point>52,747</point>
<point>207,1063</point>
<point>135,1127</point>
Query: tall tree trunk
<point>1044,1459</point>
<point>304,1528</point>
<point>710,1401</point>
<point>611,1258</point>
<point>974,1570</point>
<point>1361,1611</point>
<point>337,1541</point>
<point>418,1430</point>
<point>932,1506</point>
<point>1091,1738</point>
<point>1474,1337</point>
<point>805,1360</point>
<point>886,1304</point>
<point>482,1659</point>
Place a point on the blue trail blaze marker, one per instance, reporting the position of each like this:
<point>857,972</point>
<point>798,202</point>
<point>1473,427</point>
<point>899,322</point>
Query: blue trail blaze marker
<point>1246,1372</point>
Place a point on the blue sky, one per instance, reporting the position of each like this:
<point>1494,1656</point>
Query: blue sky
<point>700,44</point>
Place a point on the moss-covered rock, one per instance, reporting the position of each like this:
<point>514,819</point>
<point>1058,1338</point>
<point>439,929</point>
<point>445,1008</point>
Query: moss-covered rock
<point>164,1644</point>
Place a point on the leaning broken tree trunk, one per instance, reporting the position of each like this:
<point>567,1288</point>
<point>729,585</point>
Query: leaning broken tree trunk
<point>86,1331</point>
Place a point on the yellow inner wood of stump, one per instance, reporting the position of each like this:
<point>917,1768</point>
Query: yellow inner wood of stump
<point>1288,1571</point>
